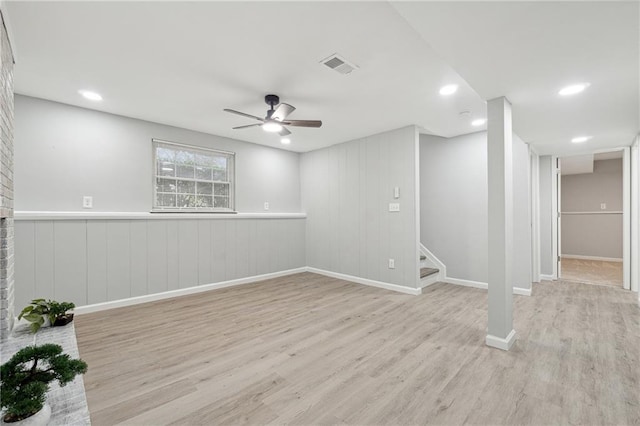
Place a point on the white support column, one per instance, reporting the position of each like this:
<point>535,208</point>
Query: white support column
<point>500,333</point>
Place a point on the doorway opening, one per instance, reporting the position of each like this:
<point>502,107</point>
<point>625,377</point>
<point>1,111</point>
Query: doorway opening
<point>591,219</point>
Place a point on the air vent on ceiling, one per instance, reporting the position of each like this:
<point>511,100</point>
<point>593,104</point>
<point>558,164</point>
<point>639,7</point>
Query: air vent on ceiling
<point>339,64</point>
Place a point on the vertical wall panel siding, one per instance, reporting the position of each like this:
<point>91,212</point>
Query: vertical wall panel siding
<point>138,247</point>
<point>188,247</point>
<point>204,252</point>
<point>96,261</point>
<point>242,248</point>
<point>346,190</point>
<point>263,248</point>
<point>157,253</point>
<point>44,259</point>
<point>119,260</point>
<point>219,250</point>
<point>70,275</point>
<point>93,261</point>
<point>24,264</point>
<point>173,256</point>
<point>253,236</point>
<point>230,237</point>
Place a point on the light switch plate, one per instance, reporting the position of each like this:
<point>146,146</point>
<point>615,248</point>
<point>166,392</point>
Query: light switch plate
<point>394,207</point>
<point>396,192</point>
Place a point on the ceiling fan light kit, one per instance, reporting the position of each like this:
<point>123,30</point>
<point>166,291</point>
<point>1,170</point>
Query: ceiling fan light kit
<point>276,118</point>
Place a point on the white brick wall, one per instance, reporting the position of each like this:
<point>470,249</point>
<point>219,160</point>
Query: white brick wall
<point>6,184</point>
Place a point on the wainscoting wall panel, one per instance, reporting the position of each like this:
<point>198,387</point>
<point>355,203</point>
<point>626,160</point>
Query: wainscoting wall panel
<point>346,191</point>
<point>91,261</point>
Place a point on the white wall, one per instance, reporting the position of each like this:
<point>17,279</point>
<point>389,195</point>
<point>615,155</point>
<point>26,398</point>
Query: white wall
<point>346,190</point>
<point>593,233</point>
<point>453,205</point>
<point>546,215</point>
<point>63,153</point>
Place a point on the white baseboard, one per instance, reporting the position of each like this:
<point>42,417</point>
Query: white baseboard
<point>500,343</point>
<point>466,283</point>
<point>365,281</point>
<point>545,277</point>
<point>522,291</point>
<point>182,292</point>
<point>248,280</point>
<point>479,284</point>
<point>580,257</point>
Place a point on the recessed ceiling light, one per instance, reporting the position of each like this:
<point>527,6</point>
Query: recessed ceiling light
<point>449,89</point>
<point>271,127</point>
<point>92,96</point>
<point>580,139</point>
<point>285,141</point>
<point>573,89</point>
<point>478,122</point>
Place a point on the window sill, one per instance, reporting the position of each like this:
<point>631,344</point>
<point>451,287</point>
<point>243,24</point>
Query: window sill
<point>47,215</point>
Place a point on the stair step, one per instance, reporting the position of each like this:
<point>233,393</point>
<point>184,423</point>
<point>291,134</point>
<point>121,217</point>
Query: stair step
<point>425,272</point>
<point>423,257</point>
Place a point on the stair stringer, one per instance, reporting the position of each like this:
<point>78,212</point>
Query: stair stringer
<point>434,262</point>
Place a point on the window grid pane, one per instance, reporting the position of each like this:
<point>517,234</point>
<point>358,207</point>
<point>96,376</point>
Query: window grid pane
<point>192,178</point>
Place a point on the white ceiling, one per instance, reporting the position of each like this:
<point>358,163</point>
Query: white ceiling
<point>182,63</point>
<point>528,51</point>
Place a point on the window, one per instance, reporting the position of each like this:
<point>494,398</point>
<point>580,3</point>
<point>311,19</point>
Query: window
<point>189,178</point>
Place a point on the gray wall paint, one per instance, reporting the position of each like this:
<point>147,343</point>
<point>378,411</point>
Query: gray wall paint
<point>546,215</point>
<point>93,261</point>
<point>346,190</point>
<point>585,192</point>
<point>521,214</point>
<point>63,153</point>
<point>593,234</point>
<point>453,205</point>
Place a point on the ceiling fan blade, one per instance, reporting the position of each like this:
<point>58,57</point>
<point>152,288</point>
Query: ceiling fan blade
<point>232,111</point>
<point>248,125</point>
<point>282,112</point>
<point>303,123</point>
<point>284,132</point>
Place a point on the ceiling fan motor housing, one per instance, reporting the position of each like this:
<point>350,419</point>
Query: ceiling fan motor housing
<point>272,100</point>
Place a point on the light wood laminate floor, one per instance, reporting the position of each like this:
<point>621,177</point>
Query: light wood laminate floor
<point>307,349</point>
<point>592,272</point>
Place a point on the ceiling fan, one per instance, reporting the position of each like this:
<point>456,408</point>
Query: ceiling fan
<point>276,118</point>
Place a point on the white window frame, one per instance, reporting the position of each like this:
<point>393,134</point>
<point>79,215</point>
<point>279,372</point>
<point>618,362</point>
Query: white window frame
<point>231,161</point>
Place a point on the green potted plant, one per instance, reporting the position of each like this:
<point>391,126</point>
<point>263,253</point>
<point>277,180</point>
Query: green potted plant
<point>58,315</point>
<point>25,378</point>
<point>42,313</point>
